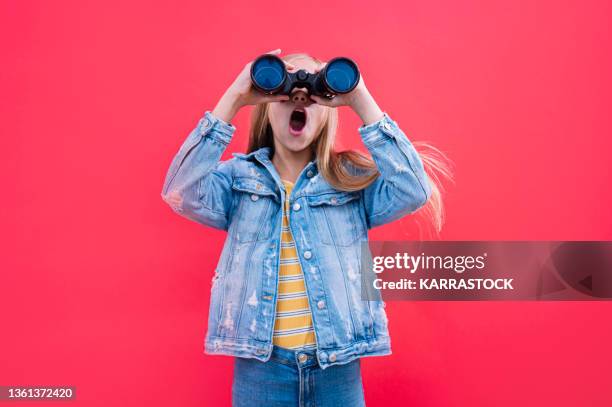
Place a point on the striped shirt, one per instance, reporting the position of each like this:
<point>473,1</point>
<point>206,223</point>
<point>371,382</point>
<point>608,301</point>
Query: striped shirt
<point>293,327</point>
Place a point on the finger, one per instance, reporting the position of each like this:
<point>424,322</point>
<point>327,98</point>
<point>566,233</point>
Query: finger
<point>290,66</point>
<point>275,98</point>
<point>320,67</point>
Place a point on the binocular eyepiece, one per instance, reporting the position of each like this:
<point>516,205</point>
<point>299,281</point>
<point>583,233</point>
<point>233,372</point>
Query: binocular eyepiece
<point>269,75</point>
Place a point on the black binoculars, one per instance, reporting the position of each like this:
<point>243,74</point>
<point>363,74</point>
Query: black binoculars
<point>270,76</point>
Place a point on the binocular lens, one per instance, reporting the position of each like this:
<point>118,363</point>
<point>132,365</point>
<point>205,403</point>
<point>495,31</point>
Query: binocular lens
<point>341,75</point>
<point>268,73</point>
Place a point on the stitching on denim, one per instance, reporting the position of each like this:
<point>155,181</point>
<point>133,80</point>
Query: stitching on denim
<point>221,306</point>
<point>382,212</point>
<point>215,135</point>
<point>321,275</point>
<point>346,292</point>
<point>188,148</point>
<point>244,287</point>
<point>282,361</point>
<point>259,223</point>
<point>411,163</point>
<point>325,208</point>
<point>376,140</point>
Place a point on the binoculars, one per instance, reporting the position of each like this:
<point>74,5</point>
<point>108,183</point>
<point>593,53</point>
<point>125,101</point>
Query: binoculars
<point>269,75</point>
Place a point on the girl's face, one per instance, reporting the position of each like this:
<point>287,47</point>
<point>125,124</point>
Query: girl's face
<point>297,122</point>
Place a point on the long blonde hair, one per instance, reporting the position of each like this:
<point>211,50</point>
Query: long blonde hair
<point>330,163</point>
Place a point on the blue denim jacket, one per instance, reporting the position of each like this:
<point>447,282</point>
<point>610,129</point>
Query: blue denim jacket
<point>243,196</point>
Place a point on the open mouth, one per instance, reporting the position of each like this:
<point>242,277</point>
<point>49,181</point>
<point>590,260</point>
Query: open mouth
<point>297,121</point>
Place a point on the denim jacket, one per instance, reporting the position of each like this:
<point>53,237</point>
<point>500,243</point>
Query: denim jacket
<point>243,196</point>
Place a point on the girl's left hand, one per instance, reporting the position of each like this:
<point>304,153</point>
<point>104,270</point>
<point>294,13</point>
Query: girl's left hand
<point>359,99</point>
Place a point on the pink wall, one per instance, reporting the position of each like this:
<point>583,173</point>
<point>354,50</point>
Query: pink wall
<point>105,288</point>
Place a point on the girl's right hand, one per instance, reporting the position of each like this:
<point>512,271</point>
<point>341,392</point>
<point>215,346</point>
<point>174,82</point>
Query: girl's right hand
<point>242,93</point>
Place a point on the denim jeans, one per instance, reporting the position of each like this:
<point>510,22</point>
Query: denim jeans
<point>294,378</point>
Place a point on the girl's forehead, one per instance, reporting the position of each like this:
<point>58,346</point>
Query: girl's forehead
<point>304,63</point>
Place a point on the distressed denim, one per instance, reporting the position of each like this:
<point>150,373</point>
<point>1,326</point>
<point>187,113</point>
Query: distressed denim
<point>294,378</point>
<point>243,196</point>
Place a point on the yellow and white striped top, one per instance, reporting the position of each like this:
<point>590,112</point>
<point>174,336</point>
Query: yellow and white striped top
<point>293,327</point>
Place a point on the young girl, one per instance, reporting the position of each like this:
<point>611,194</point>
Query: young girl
<point>286,295</point>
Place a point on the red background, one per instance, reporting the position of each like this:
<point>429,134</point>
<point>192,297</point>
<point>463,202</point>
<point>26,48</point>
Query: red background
<point>103,287</point>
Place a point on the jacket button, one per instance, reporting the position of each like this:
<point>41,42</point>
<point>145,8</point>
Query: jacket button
<point>334,201</point>
<point>321,304</point>
<point>254,197</point>
<point>309,174</point>
<point>296,206</point>
<point>302,358</point>
<point>332,357</point>
<point>307,254</point>
<point>206,125</point>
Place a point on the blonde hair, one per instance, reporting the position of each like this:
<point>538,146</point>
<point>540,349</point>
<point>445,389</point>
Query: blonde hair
<point>330,163</point>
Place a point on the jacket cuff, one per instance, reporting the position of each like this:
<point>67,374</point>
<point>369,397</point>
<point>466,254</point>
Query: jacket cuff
<point>215,128</point>
<point>378,132</point>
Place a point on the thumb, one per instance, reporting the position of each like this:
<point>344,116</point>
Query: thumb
<point>274,98</point>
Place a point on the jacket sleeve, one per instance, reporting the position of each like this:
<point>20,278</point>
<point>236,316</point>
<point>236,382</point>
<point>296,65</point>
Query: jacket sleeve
<point>402,186</point>
<point>198,186</point>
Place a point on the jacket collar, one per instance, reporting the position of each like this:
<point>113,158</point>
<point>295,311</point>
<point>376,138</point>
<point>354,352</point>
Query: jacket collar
<point>263,154</point>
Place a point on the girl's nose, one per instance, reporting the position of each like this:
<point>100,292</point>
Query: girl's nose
<point>301,98</point>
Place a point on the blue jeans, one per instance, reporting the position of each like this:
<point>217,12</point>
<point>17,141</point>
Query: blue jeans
<point>294,378</point>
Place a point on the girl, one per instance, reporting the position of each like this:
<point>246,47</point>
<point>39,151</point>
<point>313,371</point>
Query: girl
<point>286,294</point>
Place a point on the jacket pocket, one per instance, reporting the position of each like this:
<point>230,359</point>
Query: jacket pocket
<point>255,204</point>
<point>336,217</point>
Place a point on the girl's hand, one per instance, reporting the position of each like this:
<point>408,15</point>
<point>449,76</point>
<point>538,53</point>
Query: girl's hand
<point>242,93</point>
<point>359,99</point>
